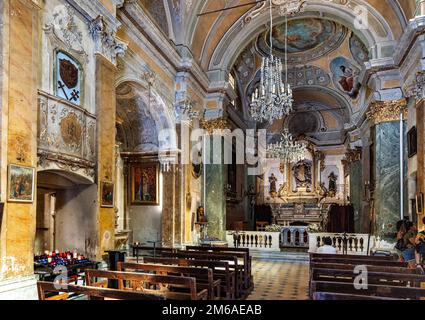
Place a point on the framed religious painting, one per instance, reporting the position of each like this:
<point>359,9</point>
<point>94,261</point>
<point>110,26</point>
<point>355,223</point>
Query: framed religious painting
<point>21,181</point>
<point>412,142</point>
<point>145,184</point>
<point>420,203</point>
<point>107,194</point>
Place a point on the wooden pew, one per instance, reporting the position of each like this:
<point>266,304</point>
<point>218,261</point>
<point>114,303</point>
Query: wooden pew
<point>356,261</point>
<point>313,256</point>
<point>241,289</point>
<point>343,296</point>
<point>373,277</point>
<point>220,270</point>
<point>247,259</point>
<point>158,250</point>
<point>372,290</point>
<point>351,267</point>
<point>204,277</point>
<point>135,281</point>
<point>93,293</point>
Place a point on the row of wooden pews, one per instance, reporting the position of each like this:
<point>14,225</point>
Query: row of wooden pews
<point>197,273</point>
<point>341,277</point>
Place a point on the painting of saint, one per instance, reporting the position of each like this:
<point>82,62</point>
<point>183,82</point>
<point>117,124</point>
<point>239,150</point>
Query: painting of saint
<point>302,175</point>
<point>107,195</point>
<point>145,184</point>
<point>346,77</point>
<point>21,184</point>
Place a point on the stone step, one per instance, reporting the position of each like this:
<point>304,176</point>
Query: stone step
<point>280,256</point>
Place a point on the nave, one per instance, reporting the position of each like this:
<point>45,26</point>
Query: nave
<point>225,141</point>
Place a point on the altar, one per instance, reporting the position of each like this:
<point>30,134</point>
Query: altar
<point>288,214</point>
<point>301,192</point>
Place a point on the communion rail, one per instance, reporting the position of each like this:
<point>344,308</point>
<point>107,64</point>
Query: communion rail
<point>294,237</point>
<point>267,241</point>
<point>353,244</point>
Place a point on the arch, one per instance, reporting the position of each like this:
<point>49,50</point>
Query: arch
<point>378,34</point>
<point>151,119</point>
<point>61,178</point>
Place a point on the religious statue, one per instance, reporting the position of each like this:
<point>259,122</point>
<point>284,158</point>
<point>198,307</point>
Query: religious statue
<point>332,184</point>
<point>201,215</point>
<point>302,174</point>
<point>252,195</point>
<point>273,188</point>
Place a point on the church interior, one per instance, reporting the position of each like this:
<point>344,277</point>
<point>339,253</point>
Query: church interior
<point>209,149</point>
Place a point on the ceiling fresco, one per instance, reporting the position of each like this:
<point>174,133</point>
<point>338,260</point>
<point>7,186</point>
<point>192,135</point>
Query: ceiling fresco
<point>308,39</point>
<point>345,76</point>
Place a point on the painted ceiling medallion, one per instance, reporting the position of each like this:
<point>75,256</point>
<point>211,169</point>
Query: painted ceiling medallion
<point>308,39</point>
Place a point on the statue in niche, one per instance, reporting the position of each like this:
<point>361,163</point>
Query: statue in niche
<point>302,175</point>
<point>332,184</point>
<point>273,188</point>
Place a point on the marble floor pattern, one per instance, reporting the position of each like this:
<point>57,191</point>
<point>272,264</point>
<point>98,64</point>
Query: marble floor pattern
<point>280,280</point>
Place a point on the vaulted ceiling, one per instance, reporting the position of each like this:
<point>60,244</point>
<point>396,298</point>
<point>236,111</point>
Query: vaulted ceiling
<point>327,50</point>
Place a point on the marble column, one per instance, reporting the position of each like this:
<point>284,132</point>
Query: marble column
<point>386,165</point>
<point>106,112</point>
<point>215,180</point>
<point>215,204</point>
<point>356,188</point>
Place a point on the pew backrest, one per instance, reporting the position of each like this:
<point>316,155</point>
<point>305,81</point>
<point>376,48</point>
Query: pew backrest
<point>136,280</point>
<point>91,292</point>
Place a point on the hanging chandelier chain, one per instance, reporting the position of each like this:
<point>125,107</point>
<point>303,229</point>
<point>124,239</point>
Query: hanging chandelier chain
<point>273,99</point>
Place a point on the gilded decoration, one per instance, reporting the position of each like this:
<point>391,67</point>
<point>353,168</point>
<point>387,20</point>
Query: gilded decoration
<point>215,124</point>
<point>387,111</point>
<point>353,155</point>
<point>71,130</point>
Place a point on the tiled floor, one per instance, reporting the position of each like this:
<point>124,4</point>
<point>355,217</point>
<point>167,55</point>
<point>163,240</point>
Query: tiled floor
<point>279,280</point>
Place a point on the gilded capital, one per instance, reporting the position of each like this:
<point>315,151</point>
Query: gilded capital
<point>353,155</point>
<point>386,111</point>
<point>215,124</point>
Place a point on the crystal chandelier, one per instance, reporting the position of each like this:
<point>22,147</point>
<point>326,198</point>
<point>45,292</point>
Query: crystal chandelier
<point>273,99</point>
<point>287,150</point>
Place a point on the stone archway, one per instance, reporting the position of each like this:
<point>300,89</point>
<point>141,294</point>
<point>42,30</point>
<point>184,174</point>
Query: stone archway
<point>145,130</point>
<point>66,213</point>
